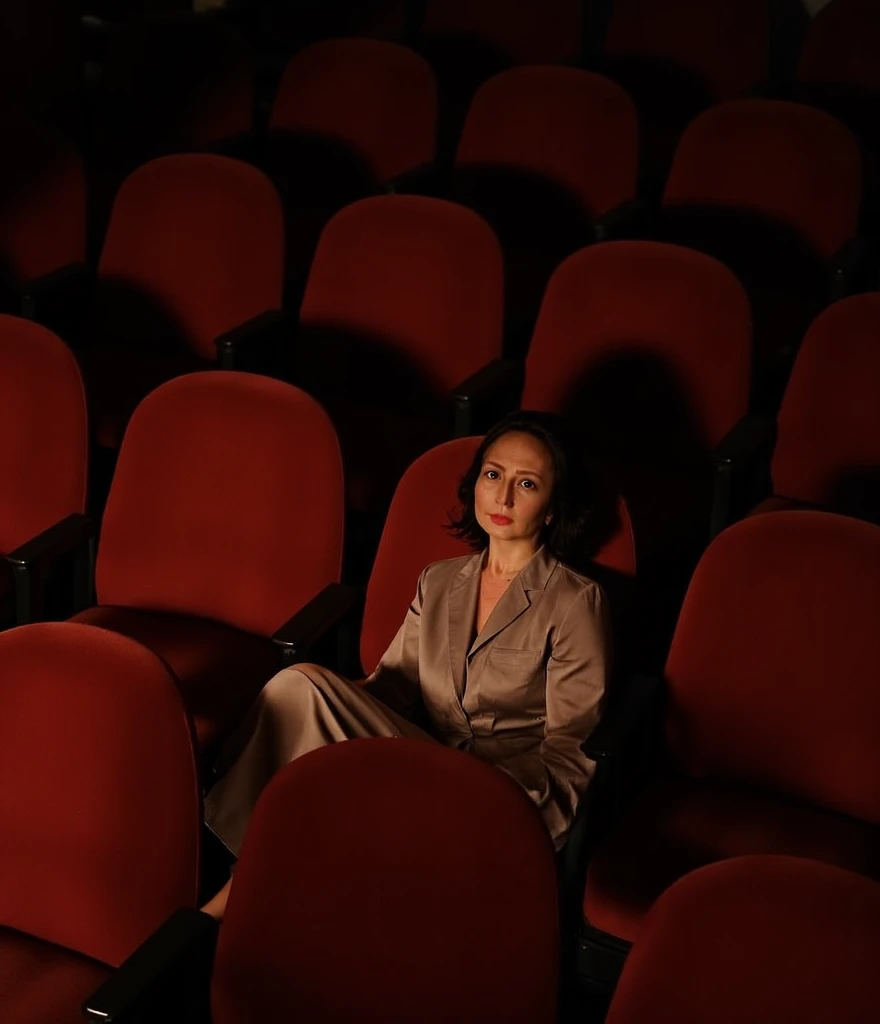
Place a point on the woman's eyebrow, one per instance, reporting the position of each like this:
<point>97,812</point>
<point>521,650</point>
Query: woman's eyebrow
<point>522,472</point>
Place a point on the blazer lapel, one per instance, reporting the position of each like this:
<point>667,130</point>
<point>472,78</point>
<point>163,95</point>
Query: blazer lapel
<point>515,600</point>
<point>463,594</point>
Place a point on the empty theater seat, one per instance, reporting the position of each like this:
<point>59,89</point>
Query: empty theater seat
<point>646,349</point>
<point>433,828</point>
<point>42,206</point>
<point>828,436</point>
<point>546,154</point>
<point>468,41</point>
<point>772,722</point>
<point>191,271</point>
<point>43,465</point>
<point>403,303</point>
<point>101,826</point>
<point>839,72</point>
<point>224,519</point>
<point>679,57</point>
<point>350,116</point>
<point>773,190</point>
<point>762,939</point>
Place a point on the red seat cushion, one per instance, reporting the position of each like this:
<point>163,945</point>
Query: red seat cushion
<point>680,824</point>
<point>220,669</point>
<point>44,984</point>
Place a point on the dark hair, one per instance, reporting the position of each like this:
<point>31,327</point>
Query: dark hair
<point>572,499</point>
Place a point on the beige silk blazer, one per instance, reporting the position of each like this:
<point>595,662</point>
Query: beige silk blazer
<point>526,692</point>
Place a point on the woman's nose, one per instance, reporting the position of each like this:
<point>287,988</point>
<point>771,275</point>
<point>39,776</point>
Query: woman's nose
<point>507,494</point>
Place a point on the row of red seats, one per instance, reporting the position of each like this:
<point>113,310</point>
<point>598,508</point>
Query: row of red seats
<point>776,631</point>
<point>224,521</point>
<point>675,59</point>
<point>648,345</point>
<point>549,156</point>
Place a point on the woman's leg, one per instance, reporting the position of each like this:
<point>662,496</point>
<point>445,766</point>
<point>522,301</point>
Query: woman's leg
<point>299,710</point>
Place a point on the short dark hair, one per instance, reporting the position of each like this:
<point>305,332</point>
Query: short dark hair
<point>566,535</point>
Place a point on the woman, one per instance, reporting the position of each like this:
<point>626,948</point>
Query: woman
<point>504,652</point>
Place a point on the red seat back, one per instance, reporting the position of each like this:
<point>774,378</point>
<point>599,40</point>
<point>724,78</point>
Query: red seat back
<point>644,346</point>
<point>521,31</point>
<point>841,47</point>
<point>378,841</point>
<point>570,128</point>
<point>42,202</point>
<point>195,247</point>
<point>796,167</point>
<point>226,503</point>
<point>43,432</point>
<point>828,440</point>
<point>772,670</point>
<point>409,543</point>
<point>713,47</point>
<point>704,951</point>
<point>415,284</point>
<point>102,809</point>
<point>375,100</point>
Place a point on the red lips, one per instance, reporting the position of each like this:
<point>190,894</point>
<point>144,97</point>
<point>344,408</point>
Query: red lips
<point>501,520</point>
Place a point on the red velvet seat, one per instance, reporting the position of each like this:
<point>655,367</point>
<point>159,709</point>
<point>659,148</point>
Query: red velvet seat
<point>43,209</point>
<point>468,41</point>
<point>679,57</point>
<point>760,939</point>
<point>102,824</point>
<point>773,190</point>
<point>43,439</point>
<point>828,437</point>
<point>839,72</point>
<point>381,840</point>
<point>523,31</point>
<point>349,117</point>
<point>408,544</point>
<point>404,302</point>
<point>224,519</point>
<point>772,721</point>
<point>545,153</point>
<point>194,250</point>
<point>646,349</point>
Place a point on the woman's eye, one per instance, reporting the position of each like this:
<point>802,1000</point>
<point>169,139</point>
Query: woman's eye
<point>528,485</point>
<point>491,474</point>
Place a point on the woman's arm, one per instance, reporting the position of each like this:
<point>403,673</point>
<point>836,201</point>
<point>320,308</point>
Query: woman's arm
<point>395,680</point>
<point>557,774</point>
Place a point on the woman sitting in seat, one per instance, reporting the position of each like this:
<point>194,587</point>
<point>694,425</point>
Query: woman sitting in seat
<point>503,653</point>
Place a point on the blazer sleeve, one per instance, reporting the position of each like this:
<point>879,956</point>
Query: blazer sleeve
<point>558,772</point>
<point>395,680</point>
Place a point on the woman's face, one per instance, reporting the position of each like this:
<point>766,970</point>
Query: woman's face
<point>513,491</point>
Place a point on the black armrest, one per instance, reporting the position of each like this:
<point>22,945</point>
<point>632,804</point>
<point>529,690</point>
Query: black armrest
<point>261,345</point>
<point>61,301</point>
<point>166,978</point>
<point>32,560</point>
<point>632,219</point>
<point>489,394</point>
<point>855,267</point>
<point>741,464</point>
<point>627,713</point>
<point>323,613</point>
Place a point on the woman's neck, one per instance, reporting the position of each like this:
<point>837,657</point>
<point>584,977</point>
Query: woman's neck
<point>505,560</point>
